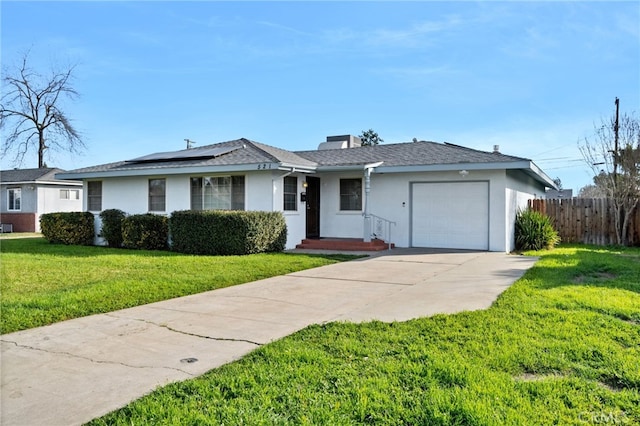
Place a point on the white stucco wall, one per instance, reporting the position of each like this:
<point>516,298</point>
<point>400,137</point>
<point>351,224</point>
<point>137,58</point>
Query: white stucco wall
<point>49,201</point>
<point>333,222</point>
<point>520,189</point>
<point>296,219</point>
<point>390,198</point>
<point>263,191</point>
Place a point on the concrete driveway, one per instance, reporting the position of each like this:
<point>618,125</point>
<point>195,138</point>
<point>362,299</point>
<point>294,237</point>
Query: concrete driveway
<point>71,372</point>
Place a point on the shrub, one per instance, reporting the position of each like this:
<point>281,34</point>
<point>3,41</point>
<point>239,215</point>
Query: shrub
<point>534,231</point>
<point>74,228</point>
<point>145,232</point>
<point>227,232</point>
<point>111,229</point>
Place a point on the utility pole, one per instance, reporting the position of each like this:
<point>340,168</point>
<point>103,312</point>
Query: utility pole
<point>615,143</point>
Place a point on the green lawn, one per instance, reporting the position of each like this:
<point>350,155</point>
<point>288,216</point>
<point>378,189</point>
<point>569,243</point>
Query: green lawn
<point>561,346</point>
<point>43,283</point>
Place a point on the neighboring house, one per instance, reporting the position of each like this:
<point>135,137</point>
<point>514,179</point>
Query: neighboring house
<point>29,193</point>
<point>436,195</point>
<point>565,194</point>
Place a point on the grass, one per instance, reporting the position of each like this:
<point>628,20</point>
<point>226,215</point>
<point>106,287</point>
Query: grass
<point>14,235</point>
<point>561,346</point>
<point>43,283</point>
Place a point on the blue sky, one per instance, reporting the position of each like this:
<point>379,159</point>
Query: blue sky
<point>532,77</point>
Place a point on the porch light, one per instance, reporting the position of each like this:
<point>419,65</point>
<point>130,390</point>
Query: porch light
<point>305,184</point>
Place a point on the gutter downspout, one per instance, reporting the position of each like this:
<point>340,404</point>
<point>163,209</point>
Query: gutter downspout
<point>367,189</point>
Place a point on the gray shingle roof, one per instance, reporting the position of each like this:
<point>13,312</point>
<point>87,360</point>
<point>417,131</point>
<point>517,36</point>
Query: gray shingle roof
<point>284,156</point>
<point>250,153</point>
<point>405,154</point>
<point>247,152</point>
<point>29,175</point>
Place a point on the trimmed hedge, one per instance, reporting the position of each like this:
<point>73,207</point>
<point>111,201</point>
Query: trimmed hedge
<point>217,232</point>
<point>145,232</point>
<point>111,229</point>
<point>70,228</point>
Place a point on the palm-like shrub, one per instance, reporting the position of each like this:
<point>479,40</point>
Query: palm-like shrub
<point>534,231</point>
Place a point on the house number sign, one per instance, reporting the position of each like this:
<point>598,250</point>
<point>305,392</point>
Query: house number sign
<point>264,166</point>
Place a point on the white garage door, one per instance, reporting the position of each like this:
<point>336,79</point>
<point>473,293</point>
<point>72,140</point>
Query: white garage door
<point>450,215</point>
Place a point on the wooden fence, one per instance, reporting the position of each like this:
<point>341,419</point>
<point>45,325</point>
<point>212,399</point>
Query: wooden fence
<point>586,220</point>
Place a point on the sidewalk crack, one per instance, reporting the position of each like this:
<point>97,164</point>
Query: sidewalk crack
<point>186,333</point>
<point>96,361</point>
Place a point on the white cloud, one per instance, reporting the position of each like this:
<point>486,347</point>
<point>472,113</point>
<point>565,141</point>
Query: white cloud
<point>416,36</point>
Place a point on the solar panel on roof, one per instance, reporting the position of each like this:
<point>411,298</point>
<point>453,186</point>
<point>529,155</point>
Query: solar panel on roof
<point>185,154</point>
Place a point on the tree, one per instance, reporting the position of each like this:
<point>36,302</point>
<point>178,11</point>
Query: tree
<point>591,191</point>
<point>614,156</point>
<point>558,183</point>
<point>31,113</point>
<point>370,138</point>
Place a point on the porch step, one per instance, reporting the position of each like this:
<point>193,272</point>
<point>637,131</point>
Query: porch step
<point>346,244</point>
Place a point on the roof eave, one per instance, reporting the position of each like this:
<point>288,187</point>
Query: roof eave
<point>348,167</point>
<point>527,166</point>
<point>43,182</point>
<point>537,173</point>
<point>297,167</point>
<point>230,168</point>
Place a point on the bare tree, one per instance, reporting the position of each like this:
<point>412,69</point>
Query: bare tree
<point>591,191</point>
<point>614,156</point>
<point>30,113</point>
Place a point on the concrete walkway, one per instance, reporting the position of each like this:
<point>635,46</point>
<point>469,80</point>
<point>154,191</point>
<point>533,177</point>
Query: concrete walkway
<point>71,372</point>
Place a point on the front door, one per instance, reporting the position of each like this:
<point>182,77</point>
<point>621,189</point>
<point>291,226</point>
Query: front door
<point>313,207</point>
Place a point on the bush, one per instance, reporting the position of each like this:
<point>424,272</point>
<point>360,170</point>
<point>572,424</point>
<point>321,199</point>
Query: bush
<point>145,232</point>
<point>70,228</point>
<point>227,232</point>
<point>534,231</point>
<point>111,229</point>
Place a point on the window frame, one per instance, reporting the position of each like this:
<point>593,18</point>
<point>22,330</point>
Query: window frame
<point>11,200</point>
<point>234,190</point>
<point>289,198</point>
<point>345,203</point>
<point>94,199</point>
<point>155,201</point>
<point>71,194</point>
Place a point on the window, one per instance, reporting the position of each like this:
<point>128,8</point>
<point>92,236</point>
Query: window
<point>157,191</point>
<point>217,193</point>
<point>15,198</point>
<point>69,194</point>
<point>350,194</point>
<point>94,196</point>
<point>290,193</point>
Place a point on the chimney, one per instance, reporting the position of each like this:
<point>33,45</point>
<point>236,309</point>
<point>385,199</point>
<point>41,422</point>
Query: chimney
<point>340,142</point>
<point>496,149</point>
